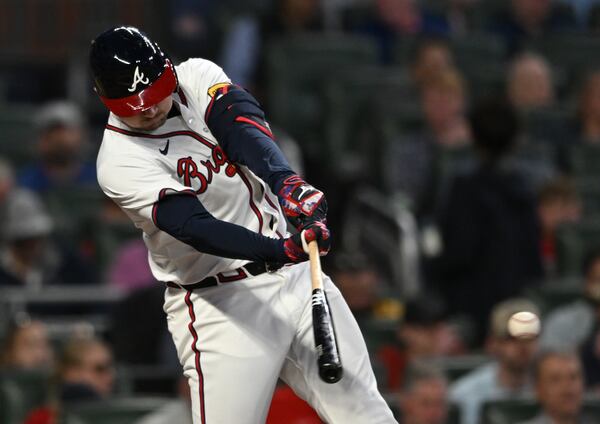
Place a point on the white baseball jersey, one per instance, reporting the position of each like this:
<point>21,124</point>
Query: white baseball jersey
<point>136,169</point>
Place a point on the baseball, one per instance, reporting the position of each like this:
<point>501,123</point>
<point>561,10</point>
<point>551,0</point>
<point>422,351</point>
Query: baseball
<point>524,325</point>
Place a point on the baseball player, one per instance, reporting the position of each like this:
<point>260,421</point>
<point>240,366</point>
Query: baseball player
<point>191,160</point>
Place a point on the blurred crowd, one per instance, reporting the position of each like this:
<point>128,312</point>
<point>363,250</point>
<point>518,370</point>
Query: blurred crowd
<point>471,128</point>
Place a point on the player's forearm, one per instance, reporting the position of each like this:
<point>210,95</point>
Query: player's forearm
<point>238,122</point>
<point>184,217</point>
<point>250,147</point>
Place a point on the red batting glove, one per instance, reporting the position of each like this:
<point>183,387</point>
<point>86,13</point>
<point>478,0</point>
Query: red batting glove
<point>296,246</point>
<point>301,202</point>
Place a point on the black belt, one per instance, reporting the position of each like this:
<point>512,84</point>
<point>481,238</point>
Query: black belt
<point>252,268</point>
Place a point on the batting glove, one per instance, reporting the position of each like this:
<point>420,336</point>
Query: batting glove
<point>296,246</point>
<point>302,203</point>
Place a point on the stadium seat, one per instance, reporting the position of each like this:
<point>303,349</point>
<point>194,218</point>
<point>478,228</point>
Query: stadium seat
<point>571,51</point>
<point>589,192</point>
<point>457,366</point>
<point>16,134</point>
<point>147,380</point>
<point>468,51</point>
<point>517,410</point>
<point>355,130</point>
<point>550,125</point>
<point>573,243</point>
<point>508,411</point>
<point>584,160</point>
<point>298,68</point>
<point>115,411</point>
<point>555,294</point>
<point>20,392</point>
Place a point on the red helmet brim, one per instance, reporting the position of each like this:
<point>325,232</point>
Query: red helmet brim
<point>145,99</point>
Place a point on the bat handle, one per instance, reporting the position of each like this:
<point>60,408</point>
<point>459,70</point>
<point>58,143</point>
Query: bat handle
<point>316,274</point>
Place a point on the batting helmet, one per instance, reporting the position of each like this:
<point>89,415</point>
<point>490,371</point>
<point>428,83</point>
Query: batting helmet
<point>130,71</point>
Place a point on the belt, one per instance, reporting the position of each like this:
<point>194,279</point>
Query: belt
<point>252,269</point>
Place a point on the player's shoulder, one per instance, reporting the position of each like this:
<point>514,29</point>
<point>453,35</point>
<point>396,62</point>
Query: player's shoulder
<point>119,154</point>
<point>200,69</point>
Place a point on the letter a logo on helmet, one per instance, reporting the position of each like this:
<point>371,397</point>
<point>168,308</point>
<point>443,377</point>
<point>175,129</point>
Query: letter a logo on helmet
<point>131,73</point>
<point>137,78</point>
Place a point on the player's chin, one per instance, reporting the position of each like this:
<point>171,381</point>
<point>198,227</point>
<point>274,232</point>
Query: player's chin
<point>155,123</point>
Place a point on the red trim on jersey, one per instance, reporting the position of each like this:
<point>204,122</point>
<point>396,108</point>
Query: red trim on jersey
<point>145,99</point>
<point>159,136</point>
<point>190,306</point>
<point>251,201</point>
<point>182,96</point>
<point>262,128</point>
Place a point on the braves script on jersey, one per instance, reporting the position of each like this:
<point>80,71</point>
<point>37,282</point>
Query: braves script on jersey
<point>135,169</point>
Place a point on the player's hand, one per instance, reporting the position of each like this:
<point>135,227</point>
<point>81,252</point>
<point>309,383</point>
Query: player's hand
<point>302,203</point>
<point>296,246</point>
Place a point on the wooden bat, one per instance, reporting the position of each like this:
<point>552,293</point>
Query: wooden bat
<point>328,356</point>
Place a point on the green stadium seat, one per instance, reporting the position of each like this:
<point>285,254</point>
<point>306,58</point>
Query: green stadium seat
<point>571,51</point>
<point>355,131</point>
<point>456,367</point>
<point>16,134</point>
<point>574,241</point>
<point>555,294</point>
<point>584,160</point>
<point>517,410</point>
<point>589,192</point>
<point>508,411</point>
<point>115,411</point>
<point>20,392</point>
<point>468,51</point>
<point>298,68</point>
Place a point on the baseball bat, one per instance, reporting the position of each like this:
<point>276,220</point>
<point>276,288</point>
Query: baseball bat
<point>328,356</point>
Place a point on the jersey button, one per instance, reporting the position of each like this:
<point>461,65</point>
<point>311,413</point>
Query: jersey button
<point>191,121</point>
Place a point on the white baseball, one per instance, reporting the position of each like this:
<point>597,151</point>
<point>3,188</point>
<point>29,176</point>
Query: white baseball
<point>524,325</point>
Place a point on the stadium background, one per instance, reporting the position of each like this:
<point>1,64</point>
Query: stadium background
<point>375,102</point>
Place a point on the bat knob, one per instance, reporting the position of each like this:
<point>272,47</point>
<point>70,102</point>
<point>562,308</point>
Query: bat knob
<point>330,373</point>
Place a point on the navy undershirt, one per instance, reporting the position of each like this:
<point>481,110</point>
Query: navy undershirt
<point>184,217</point>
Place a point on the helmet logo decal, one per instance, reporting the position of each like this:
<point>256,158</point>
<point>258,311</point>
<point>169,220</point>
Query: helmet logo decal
<point>138,77</point>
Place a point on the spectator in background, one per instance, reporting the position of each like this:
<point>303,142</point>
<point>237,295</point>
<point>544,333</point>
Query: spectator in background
<point>85,371</point>
<point>29,258</point>
<point>424,398</point>
<point>413,162</point>
<point>26,346</point>
<point>61,148</point>
<point>569,326</point>
<point>244,48</point>
<point>431,56</point>
<point>422,336</point>
<point>559,389</point>
<point>529,83</point>
<point>489,225</point>
<point>527,20</point>
<point>394,19</point>
<point>508,375</point>
<point>558,204</point>
<point>194,28</point>
<point>360,284</point>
